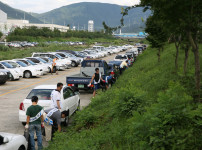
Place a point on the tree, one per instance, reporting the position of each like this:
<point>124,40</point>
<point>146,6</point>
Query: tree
<point>184,14</point>
<point>157,34</point>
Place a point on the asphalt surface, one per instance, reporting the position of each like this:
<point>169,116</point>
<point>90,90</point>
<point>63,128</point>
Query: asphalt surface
<point>14,92</point>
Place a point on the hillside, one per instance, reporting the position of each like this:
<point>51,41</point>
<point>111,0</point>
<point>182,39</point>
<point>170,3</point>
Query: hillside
<point>80,13</point>
<point>17,14</point>
<point>150,107</point>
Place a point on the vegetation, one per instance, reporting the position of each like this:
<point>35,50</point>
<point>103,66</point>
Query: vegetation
<point>151,106</point>
<point>26,52</point>
<point>79,14</point>
<point>34,33</point>
<point>1,34</point>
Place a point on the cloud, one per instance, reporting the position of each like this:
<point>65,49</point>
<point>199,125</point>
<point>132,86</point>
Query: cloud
<point>40,6</point>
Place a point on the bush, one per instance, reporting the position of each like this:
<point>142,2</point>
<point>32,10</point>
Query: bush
<point>1,34</point>
<point>4,48</point>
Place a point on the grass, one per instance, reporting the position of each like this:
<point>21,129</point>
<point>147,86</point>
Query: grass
<point>151,106</point>
<point>12,53</point>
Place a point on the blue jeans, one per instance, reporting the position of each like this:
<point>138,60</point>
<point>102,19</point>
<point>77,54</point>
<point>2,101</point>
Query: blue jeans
<point>32,129</point>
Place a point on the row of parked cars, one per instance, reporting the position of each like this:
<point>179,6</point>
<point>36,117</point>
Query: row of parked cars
<point>66,43</point>
<point>41,63</point>
<point>22,44</point>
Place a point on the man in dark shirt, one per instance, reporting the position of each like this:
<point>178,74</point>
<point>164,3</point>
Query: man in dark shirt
<point>34,121</point>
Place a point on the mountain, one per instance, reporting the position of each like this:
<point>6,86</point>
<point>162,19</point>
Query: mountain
<point>78,15</point>
<point>13,13</point>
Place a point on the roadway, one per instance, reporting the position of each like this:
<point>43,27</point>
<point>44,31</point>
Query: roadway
<point>14,92</point>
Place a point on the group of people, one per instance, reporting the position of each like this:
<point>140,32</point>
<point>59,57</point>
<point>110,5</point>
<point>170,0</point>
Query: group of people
<point>37,117</point>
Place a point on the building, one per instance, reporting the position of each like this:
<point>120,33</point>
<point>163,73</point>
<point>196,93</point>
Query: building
<point>3,17</point>
<point>8,25</point>
<point>90,26</point>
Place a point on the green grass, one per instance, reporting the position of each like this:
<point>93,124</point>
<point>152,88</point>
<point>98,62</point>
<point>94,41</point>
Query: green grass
<point>150,107</point>
<point>12,53</point>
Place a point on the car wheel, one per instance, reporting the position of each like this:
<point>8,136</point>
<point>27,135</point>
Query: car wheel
<point>73,64</point>
<point>49,69</point>
<point>22,147</point>
<point>66,122</point>
<point>27,74</point>
<point>12,78</point>
<point>3,82</point>
<point>23,123</point>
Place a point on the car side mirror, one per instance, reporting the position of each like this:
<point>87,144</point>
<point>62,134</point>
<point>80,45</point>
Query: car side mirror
<point>5,140</point>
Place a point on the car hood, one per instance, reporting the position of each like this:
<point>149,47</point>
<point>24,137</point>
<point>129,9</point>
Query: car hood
<point>10,136</point>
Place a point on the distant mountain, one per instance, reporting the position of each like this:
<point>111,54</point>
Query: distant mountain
<point>78,15</point>
<point>13,13</point>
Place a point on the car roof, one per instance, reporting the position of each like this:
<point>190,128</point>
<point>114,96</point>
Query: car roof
<point>46,87</point>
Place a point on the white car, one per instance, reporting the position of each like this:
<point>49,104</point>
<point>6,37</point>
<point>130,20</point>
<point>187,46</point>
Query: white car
<point>29,71</point>
<point>59,65</point>
<point>16,74</point>
<point>13,142</point>
<point>45,69</point>
<point>70,100</point>
<point>38,61</point>
<point>121,58</point>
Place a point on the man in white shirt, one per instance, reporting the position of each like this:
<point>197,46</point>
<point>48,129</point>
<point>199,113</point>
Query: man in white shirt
<point>56,106</point>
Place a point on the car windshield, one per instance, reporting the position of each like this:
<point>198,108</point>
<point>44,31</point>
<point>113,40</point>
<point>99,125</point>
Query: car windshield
<point>59,56</point>
<point>50,59</point>
<point>42,94</point>
<point>13,64</point>
<point>7,65</point>
<point>21,64</point>
<point>31,62</point>
<point>121,57</point>
<point>43,61</point>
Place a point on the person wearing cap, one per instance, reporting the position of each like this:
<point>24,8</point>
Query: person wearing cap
<point>96,78</point>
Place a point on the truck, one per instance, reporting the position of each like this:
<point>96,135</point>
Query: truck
<point>81,81</point>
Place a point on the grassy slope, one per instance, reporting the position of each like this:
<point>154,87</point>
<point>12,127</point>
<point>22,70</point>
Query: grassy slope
<point>150,107</point>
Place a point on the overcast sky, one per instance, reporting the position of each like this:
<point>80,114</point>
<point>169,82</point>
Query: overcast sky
<point>40,6</point>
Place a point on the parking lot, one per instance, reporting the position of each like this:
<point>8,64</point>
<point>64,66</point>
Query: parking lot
<point>14,92</point>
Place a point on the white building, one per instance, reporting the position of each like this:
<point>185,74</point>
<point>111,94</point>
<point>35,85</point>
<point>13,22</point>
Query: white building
<point>90,26</point>
<point>8,25</point>
<point>3,17</point>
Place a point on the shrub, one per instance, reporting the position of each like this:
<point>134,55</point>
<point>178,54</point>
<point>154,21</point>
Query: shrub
<point>4,48</point>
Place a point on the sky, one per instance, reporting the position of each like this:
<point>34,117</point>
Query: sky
<point>40,6</point>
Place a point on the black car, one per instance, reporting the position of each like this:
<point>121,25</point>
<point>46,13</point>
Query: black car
<point>9,75</point>
<point>3,77</point>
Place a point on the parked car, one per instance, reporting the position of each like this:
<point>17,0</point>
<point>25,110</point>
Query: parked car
<point>29,71</point>
<point>44,69</point>
<point>74,60</point>
<point>121,58</point>
<point>14,72</point>
<point>8,73</point>
<point>39,61</point>
<point>70,100</point>
<point>80,81</point>
<point>13,142</point>
<point>3,77</point>
<point>54,55</point>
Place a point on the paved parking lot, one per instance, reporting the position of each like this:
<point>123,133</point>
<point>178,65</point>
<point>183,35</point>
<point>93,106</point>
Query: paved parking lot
<point>14,92</point>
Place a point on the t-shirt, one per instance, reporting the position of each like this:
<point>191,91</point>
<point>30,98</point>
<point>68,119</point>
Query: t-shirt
<point>32,111</point>
<point>55,96</point>
<point>123,64</point>
<point>56,116</point>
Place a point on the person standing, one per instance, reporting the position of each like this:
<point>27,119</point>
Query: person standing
<point>54,66</point>
<point>34,120</point>
<point>56,105</point>
<point>96,78</point>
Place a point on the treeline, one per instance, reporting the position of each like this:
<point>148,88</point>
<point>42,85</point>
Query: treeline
<point>176,22</point>
<point>48,33</point>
